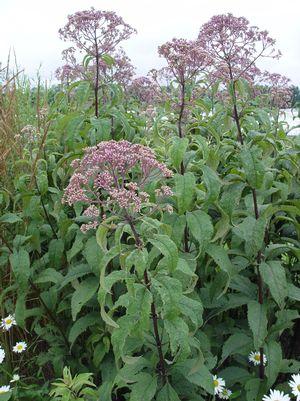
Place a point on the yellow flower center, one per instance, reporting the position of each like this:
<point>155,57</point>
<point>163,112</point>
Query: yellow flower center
<point>8,321</point>
<point>257,357</point>
<point>19,347</point>
<point>298,387</point>
<point>216,383</point>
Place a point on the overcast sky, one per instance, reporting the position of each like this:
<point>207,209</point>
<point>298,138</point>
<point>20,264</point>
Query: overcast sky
<point>30,27</point>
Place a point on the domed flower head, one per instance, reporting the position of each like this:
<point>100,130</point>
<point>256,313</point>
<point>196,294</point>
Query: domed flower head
<point>4,389</point>
<point>20,347</point>
<point>2,355</point>
<point>96,32</point>
<point>295,385</point>
<point>185,58</point>
<point>113,175</point>
<point>254,357</point>
<point>276,395</point>
<point>8,322</point>
<point>219,384</point>
<point>235,46</point>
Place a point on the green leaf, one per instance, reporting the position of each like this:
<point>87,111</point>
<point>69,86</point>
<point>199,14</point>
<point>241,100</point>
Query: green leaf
<point>177,151</point>
<point>82,324</point>
<point>273,275</point>
<point>20,263</point>
<point>55,251</point>
<point>83,293</point>
<point>255,389</point>
<point>221,258</point>
<point>49,276</point>
<point>293,292</point>
<point>145,387</point>
<point>212,183</point>
<point>237,343</point>
<point>178,332</point>
<point>167,393</point>
<point>274,359</point>
<point>184,189</point>
<point>257,319</point>
<point>10,218</point>
<point>252,231</point>
<point>107,257</point>
<point>253,167</point>
<point>202,377</point>
<point>167,247</point>
<point>200,226</point>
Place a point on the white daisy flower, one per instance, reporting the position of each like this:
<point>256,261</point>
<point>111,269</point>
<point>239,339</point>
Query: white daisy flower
<point>219,384</point>
<point>8,322</point>
<point>2,355</point>
<point>4,389</point>
<point>15,378</point>
<point>225,394</point>
<point>276,395</point>
<point>254,357</point>
<point>295,385</point>
<point>20,347</point>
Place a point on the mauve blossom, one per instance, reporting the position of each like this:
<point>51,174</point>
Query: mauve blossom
<point>144,90</point>
<point>276,87</point>
<point>234,46</point>
<point>185,58</point>
<point>113,174</point>
<point>96,32</point>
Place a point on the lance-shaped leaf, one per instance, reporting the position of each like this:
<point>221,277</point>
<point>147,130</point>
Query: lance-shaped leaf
<point>273,275</point>
<point>274,357</point>
<point>213,184</point>
<point>184,191</point>
<point>253,166</point>
<point>177,151</point>
<point>257,319</point>
<point>200,226</point>
<point>84,292</point>
<point>144,388</point>
<point>167,247</point>
<point>20,263</point>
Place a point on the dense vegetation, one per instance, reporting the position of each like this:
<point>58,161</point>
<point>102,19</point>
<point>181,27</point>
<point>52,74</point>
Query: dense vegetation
<point>149,229</point>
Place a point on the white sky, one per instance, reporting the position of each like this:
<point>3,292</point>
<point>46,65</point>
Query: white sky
<point>30,27</point>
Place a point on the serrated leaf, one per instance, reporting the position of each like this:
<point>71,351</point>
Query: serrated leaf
<point>177,151</point>
<point>213,184</point>
<point>184,190</point>
<point>167,247</point>
<point>167,393</point>
<point>81,325</point>
<point>10,218</point>
<point>235,344</point>
<point>257,319</point>
<point>201,227</point>
<point>253,167</point>
<point>83,293</point>
<point>274,358</point>
<point>145,387</point>
<point>273,275</point>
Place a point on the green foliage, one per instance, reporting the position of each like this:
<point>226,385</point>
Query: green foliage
<point>187,297</point>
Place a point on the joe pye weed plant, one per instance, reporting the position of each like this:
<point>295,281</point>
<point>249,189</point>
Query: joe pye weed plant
<point>149,228</point>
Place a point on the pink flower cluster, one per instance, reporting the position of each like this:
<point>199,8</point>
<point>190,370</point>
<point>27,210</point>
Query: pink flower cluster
<point>185,58</point>
<point>277,87</point>
<point>96,32</point>
<point>144,89</point>
<point>234,46</point>
<point>113,174</point>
